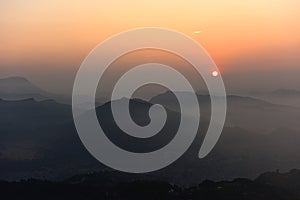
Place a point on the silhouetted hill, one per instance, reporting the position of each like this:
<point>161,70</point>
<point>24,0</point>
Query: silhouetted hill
<point>289,181</point>
<point>270,185</point>
<point>139,112</point>
<point>38,139</point>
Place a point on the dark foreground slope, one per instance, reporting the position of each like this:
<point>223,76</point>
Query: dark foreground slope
<point>105,185</point>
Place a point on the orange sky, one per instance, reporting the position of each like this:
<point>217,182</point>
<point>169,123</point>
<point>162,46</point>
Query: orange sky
<point>54,34</point>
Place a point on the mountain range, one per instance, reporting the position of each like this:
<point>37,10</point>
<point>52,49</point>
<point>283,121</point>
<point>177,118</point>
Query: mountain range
<point>38,139</point>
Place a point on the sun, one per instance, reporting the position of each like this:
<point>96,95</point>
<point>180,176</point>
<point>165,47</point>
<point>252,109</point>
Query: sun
<point>215,73</point>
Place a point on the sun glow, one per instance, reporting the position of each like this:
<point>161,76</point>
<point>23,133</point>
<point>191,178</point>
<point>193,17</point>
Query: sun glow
<point>215,73</point>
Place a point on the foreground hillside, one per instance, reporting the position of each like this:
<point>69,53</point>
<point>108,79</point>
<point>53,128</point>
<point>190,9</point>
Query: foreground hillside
<point>106,185</point>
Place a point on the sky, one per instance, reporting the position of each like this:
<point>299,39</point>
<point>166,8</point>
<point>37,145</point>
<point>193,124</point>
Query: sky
<point>256,44</point>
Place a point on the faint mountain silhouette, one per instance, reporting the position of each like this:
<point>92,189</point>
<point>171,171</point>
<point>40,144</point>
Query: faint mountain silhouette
<point>246,112</point>
<point>289,97</point>
<point>286,92</point>
<point>16,88</point>
<point>19,88</point>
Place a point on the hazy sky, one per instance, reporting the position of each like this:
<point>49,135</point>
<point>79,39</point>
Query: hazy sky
<point>256,43</point>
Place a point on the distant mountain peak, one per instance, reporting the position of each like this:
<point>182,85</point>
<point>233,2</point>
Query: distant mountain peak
<point>17,88</point>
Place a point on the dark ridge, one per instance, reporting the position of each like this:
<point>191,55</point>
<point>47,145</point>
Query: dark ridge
<point>108,185</point>
<point>14,78</point>
<point>20,100</point>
